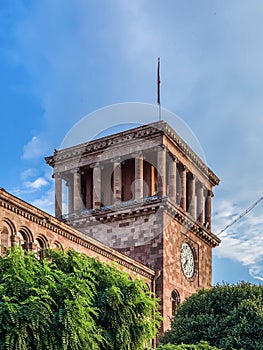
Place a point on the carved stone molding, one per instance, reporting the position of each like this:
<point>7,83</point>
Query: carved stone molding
<point>42,219</point>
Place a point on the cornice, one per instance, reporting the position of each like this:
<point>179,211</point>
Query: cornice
<point>119,213</point>
<point>102,143</point>
<point>113,213</point>
<point>183,146</point>
<point>33,214</point>
<point>187,221</point>
<point>142,132</point>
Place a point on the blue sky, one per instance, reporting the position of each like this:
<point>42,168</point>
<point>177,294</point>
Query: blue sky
<point>62,60</point>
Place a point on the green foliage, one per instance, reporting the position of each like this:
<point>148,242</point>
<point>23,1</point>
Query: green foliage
<point>200,346</point>
<point>71,302</point>
<point>125,309</point>
<point>227,316</point>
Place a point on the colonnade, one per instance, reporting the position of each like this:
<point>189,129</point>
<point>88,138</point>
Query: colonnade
<point>137,178</point>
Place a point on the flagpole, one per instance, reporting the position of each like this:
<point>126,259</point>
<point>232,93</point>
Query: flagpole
<point>159,89</point>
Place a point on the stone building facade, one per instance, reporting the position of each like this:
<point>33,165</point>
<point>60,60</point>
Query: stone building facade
<point>147,195</point>
<point>30,228</point>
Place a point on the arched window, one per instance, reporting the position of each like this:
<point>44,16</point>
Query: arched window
<point>4,240</point>
<point>57,246</point>
<point>7,232</point>
<point>23,241</point>
<point>147,287</point>
<point>40,247</point>
<point>175,298</point>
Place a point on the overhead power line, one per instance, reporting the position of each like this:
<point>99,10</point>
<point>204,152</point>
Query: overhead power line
<point>241,215</point>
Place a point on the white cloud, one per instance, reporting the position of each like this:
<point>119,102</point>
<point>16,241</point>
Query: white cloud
<point>35,148</point>
<point>256,271</point>
<point>45,202</point>
<point>29,189</point>
<point>28,173</point>
<point>36,184</point>
<point>242,242</point>
<point>17,191</point>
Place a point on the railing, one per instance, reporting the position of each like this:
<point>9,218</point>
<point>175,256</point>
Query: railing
<point>112,207</point>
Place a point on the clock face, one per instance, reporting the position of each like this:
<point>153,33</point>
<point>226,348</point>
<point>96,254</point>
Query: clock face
<point>187,260</point>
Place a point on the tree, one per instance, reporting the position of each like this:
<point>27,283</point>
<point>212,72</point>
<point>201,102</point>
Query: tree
<point>70,301</point>
<point>227,316</point>
<point>200,346</point>
<point>124,307</point>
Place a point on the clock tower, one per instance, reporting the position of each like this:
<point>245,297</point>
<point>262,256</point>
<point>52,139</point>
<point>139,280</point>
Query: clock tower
<point>145,193</point>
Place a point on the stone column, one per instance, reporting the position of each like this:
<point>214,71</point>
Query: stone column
<point>152,190</point>
<point>138,188</point>
<point>89,189</point>
<point>200,203</point>
<point>4,239</point>
<point>183,186</point>
<point>191,195</point>
<point>208,209</point>
<point>117,181</point>
<point>70,196</point>
<point>96,187</point>
<point>172,179</point>
<point>77,201</point>
<point>32,246</point>
<point>161,172</point>
<point>58,195</point>
<point>14,240</point>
